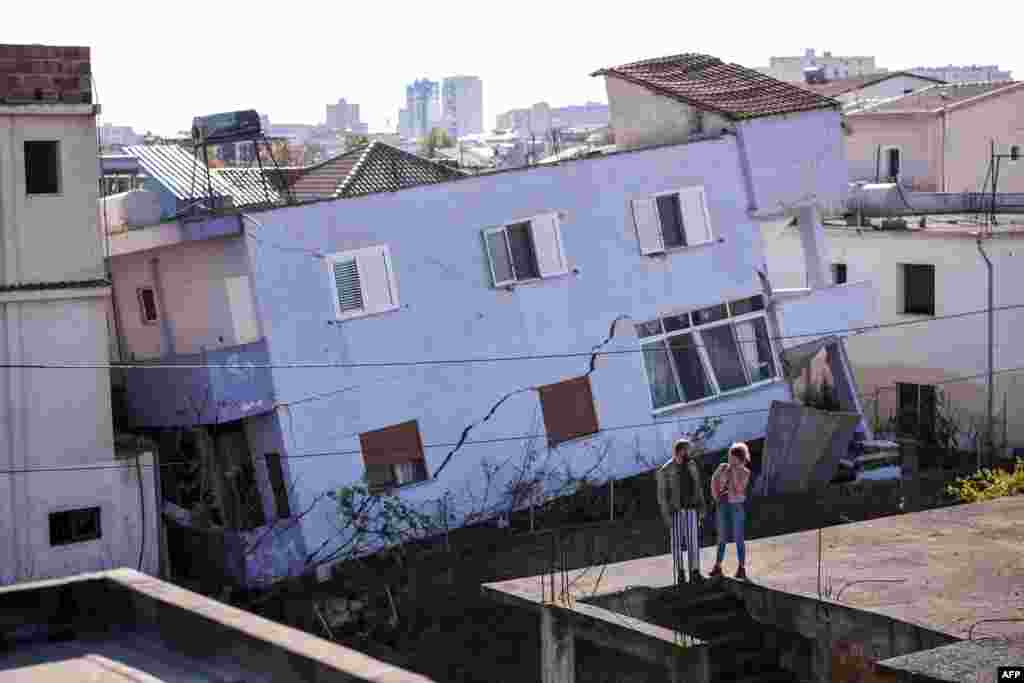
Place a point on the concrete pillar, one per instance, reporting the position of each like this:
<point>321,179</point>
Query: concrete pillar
<point>812,238</point>
<point>557,648</point>
<point>846,385</point>
<point>910,485</point>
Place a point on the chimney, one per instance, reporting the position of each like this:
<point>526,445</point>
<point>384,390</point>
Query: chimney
<point>38,73</point>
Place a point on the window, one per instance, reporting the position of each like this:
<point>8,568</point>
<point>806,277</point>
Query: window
<point>891,160</point>
<point>275,471</point>
<point>839,273</point>
<point>393,456</point>
<point>363,282</point>
<point>75,526</point>
<point>1014,153</point>
<point>672,220</point>
<point>568,409</point>
<point>147,305</point>
<point>42,167</point>
<point>526,250</point>
<point>918,289</point>
<point>707,352</point>
<point>917,411</point>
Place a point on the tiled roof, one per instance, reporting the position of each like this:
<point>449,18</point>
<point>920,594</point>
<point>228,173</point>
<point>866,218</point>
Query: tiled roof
<point>376,167</point>
<point>710,84</point>
<point>934,98</point>
<point>846,85</point>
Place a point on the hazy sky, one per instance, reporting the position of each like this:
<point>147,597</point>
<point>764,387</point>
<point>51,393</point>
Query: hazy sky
<point>157,68</point>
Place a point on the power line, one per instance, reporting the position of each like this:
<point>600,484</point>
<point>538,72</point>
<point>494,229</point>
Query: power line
<point>501,439</point>
<point>464,361</point>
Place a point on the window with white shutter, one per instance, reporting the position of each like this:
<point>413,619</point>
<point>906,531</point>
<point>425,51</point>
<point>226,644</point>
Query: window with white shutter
<point>363,282</point>
<point>526,250</point>
<point>672,220</point>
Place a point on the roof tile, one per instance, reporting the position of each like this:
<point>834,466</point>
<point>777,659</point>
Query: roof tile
<point>934,98</point>
<point>708,83</point>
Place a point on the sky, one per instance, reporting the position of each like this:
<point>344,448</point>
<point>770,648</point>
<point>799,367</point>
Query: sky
<point>155,70</point>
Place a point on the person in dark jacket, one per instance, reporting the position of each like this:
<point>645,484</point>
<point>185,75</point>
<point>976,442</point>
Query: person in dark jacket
<point>682,502</point>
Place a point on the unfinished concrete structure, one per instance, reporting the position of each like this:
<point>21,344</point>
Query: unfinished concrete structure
<point>884,590</point>
<point>123,625</point>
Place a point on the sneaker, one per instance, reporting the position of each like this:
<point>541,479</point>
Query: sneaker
<point>716,572</point>
<point>741,574</point>
<point>695,576</point>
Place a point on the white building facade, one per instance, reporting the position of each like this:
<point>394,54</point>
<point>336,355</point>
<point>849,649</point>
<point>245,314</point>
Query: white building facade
<point>792,69</point>
<point>423,102</point>
<point>67,504</point>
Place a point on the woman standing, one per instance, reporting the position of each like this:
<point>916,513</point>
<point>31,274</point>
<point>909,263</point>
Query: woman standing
<point>729,489</point>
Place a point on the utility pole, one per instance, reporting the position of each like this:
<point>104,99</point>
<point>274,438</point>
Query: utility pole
<point>990,427</point>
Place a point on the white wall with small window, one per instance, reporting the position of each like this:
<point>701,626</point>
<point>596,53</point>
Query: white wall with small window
<point>363,282</point>
<point>705,353</point>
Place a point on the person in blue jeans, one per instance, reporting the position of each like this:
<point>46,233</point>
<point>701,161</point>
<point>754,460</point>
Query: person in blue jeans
<point>729,489</point>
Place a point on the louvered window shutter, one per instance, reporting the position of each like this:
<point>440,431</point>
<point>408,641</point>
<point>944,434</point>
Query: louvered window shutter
<point>547,245</point>
<point>648,226</point>
<point>696,221</point>
<point>350,290</point>
<point>379,293</point>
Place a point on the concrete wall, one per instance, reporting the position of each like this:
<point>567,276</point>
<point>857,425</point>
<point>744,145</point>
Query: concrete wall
<point>49,237</point>
<point>915,138</point>
<point>969,131</point>
<point>642,118</point>
<point>450,310</point>
<point>794,158</point>
<point>206,304</point>
<point>27,500</point>
<point>928,352</point>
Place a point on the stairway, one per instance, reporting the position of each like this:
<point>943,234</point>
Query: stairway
<point>740,647</point>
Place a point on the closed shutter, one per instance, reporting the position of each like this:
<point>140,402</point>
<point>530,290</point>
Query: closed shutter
<point>347,282</point>
<point>568,409</point>
<point>375,272</point>
<point>648,226</point>
<point>498,257</point>
<point>547,245</point>
<point>696,221</point>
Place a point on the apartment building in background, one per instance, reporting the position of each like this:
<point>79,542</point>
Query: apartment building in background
<point>463,104</point>
<point>345,116</point>
<point>69,501</point>
<point>118,136</point>
<point>541,117</point>
<point>792,69</point>
<point>963,74</point>
<point>423,104</point>
<point>664,268</point>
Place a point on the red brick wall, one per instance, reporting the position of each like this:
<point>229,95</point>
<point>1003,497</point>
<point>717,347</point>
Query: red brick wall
<point>30,73</point>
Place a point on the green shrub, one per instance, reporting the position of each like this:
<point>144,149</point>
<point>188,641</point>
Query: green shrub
<point>987,484</point>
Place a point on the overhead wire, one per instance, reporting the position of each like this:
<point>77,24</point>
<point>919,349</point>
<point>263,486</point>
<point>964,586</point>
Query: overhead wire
<point>473,442</point>
<point>57,365</point>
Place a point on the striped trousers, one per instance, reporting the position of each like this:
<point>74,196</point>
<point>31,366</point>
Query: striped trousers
<point>685,534</point>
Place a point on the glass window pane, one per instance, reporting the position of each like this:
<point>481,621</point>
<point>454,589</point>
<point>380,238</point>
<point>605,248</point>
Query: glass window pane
<point>671,216</point>
<point>907,416</point>
<point>710,314</point>
<point>677,322</point>
<point>756,349</point>
<point>749,305</point>
<point>692,376</point>
<point>659,373</point>
<point>499,257</point>
<point>648,329</point>
<point>725,357</point>
<point>524,259</point>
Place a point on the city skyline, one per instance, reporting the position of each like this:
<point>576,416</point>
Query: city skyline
<point>138,73</point>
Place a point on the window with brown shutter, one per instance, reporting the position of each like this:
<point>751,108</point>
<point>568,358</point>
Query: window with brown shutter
<point>569,410</point>
<point>393,456</point>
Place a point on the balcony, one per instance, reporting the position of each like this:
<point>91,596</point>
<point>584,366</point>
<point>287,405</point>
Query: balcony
<point>805,314</point>
<point>194,394</point>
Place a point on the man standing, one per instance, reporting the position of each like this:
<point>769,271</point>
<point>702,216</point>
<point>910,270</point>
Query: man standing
<point>681,499</point>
